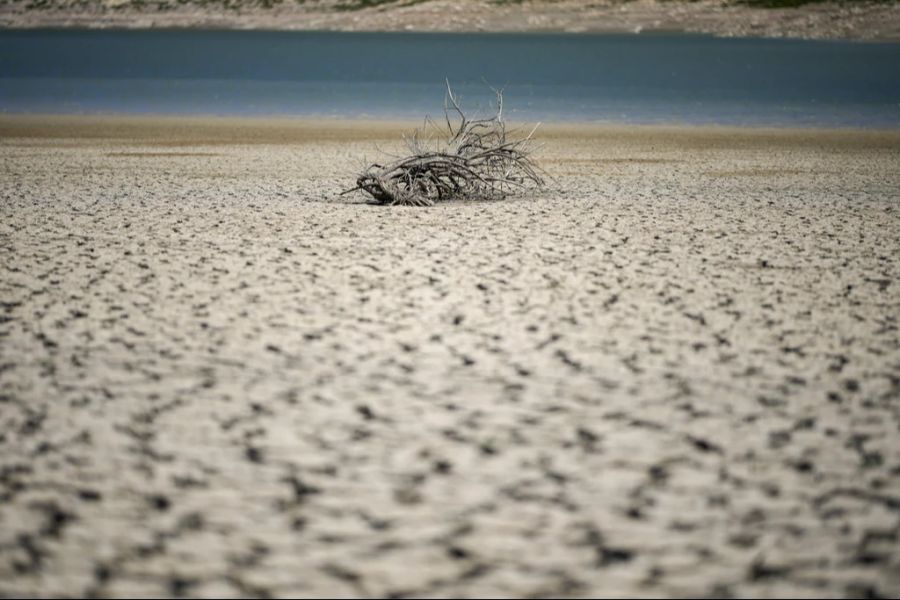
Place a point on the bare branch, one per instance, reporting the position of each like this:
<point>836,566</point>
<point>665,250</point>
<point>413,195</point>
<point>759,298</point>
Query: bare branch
<point>478,161</point>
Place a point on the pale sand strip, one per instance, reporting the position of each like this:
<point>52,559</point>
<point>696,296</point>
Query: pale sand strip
<point>133,129</point>
<point>675,373</point>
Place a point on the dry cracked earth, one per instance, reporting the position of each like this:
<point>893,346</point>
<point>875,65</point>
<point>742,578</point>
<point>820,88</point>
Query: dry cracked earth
<point>674,373</point>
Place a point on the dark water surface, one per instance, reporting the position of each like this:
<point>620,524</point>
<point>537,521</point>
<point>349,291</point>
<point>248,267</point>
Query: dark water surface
<point>625,78</point>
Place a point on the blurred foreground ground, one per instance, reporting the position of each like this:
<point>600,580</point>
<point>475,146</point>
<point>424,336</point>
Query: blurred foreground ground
<point>675,373</point>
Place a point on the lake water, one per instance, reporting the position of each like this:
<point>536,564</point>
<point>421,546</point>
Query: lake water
<point>647,78</point>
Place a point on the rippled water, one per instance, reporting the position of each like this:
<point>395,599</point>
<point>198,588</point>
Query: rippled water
<point>626,78</point>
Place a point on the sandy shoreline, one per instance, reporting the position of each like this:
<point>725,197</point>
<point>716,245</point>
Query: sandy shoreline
<point>203,130</point>
<point>675,373</point>
<point>859,20</point>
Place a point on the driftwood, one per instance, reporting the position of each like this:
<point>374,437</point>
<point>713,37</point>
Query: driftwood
<point>469,159</point>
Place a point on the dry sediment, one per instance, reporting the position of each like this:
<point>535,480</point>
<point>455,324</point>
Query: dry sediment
<point>675,373</point>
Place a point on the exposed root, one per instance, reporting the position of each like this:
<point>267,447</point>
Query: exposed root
<point>474,159</point>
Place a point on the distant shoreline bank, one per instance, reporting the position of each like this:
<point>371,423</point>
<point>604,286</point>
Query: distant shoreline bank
<point>864,21</point>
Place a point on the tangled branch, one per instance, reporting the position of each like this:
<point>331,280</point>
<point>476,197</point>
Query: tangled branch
<point>472,159</point>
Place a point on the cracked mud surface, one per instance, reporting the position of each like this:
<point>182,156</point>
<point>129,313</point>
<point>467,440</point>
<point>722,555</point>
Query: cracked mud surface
<point>677,373</point>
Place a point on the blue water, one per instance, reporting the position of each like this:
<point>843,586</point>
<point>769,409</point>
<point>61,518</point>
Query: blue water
<point>622,78</point>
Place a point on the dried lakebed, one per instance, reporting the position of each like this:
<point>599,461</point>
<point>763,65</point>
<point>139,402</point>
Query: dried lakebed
<point>675,373</point>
